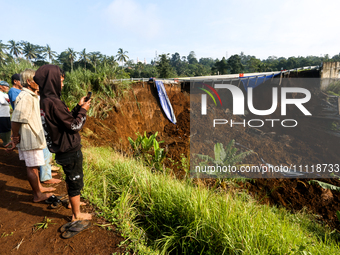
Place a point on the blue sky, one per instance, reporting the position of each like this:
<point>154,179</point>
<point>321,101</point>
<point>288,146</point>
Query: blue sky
<point>210,28</point>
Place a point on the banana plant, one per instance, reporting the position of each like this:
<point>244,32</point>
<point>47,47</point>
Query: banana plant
<point>142,144</point>
<point>325,185</point>
<point>142,147</point>
<point>159,156</point>
<point>225,157</point>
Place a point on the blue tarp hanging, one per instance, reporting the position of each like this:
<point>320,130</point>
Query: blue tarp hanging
<point>254,81</point>
<point>165,102</point>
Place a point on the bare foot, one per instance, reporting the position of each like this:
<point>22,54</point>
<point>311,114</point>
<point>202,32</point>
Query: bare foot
<point>42,197</point>
<point>54,174</point>
<point>70,207</point>
<point>55,168</point>
<point>52,181</point>
<point>82,216</point>
<point>49,189</point>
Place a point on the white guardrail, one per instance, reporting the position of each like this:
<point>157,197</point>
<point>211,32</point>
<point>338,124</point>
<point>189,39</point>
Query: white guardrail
<point>219,77</point>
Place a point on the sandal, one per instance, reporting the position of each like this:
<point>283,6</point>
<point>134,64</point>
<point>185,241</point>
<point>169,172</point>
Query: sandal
<point>66,226</point>
<point>54,198</point>
<point>73,228</point>
<point>58,203</point>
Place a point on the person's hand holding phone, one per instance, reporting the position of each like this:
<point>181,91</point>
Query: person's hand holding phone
<point>82,101</point>
<point>85,101</point>
<point>86,105</point>
<point>88,97</point>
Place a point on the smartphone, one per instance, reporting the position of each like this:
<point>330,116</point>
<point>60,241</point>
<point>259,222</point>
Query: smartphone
<point>89,94</point>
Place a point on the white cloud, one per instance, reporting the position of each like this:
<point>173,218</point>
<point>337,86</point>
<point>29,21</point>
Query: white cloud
<point>281,28</point>
<point>131,17</point>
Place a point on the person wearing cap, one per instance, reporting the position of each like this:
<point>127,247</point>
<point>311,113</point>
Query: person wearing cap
<point>5,117</point>
<point>15,90</point>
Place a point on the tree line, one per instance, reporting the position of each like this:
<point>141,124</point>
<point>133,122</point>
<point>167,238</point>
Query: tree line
<point>69,59</point>
<point>165,66</point>
<point>189,66</point>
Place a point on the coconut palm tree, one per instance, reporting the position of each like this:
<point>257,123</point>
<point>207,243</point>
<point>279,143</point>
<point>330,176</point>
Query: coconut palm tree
<point>94,57</point>
<point>139,68</point>
<point>72,55</point>
<point>30,51</point>
<point>48,52</point>
<point>121,55</point>
<point>14,48</point>
<point>112,62</point>
<point>104,60</point>
<point>84,57</point>
<point>3,53</point>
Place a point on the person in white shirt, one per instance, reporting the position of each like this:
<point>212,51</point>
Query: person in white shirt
<point>5,117</point>
<point>28,134</point>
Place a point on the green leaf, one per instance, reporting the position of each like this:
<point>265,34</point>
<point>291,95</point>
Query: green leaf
<point>325,185</point>
<point>338,215</point>
<point>219,153</point>
<point>132,142</point>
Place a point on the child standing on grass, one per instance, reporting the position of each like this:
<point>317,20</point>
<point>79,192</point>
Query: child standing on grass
<point>62,132</point>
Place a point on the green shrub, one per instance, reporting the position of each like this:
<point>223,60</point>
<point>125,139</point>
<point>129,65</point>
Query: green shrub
<point>227,156</point>
<point>142,147</point>
<point>14,66</point>
<point>80,81</point>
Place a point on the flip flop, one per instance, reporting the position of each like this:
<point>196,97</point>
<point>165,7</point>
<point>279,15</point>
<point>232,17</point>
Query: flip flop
<point>66,226</point>
<point>75,228</point>
<point>58,203</point>
<point>54,198</point>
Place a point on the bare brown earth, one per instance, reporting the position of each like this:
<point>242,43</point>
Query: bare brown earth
<point>140,111</point>
<point>18,215</point>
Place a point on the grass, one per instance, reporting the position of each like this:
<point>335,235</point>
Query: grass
<point>44,224</point>
<point>14,66</point>
<point>162,215</point>
<point>334,88</point>
<point>4,234</point>
<point>105,93</point>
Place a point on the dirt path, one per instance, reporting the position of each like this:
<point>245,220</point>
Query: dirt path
<point>18,214</point>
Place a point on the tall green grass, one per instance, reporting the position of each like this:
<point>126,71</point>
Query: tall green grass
<point>14,66</point>
<point>105,93</point>
<point>79,82</point>
<point>334,88</point>
<point>163,215</point>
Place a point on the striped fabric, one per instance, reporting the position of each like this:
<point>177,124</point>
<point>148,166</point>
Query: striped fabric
<point>32,158</point>
<point>27,112</point>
